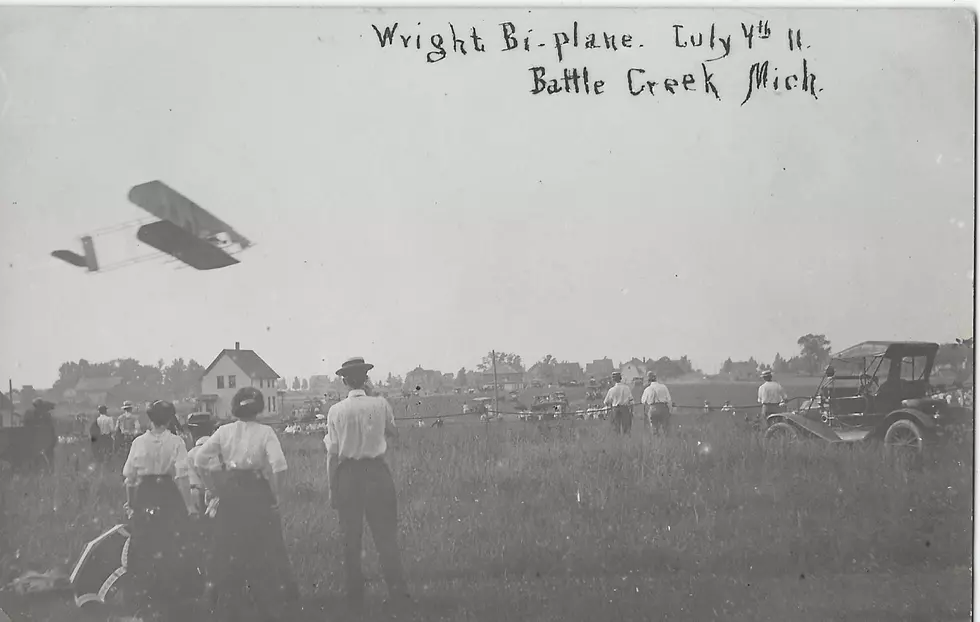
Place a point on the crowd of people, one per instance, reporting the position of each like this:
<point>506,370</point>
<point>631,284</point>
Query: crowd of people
<point>216,506</point>
<point>212,500</point>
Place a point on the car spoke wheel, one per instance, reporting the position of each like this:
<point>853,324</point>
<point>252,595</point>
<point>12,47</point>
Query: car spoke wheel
<point>904,436</point>
<point>782,431</point>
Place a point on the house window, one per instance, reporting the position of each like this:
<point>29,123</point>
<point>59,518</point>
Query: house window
<point>269,399</point>
<point>231,382</point>
<point>221,382</point>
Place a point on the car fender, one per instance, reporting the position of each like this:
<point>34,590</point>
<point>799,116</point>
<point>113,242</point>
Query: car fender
<point>816,428</point>
<point>927,423</point>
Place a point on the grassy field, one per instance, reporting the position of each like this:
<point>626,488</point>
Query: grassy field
<point>566,521</point>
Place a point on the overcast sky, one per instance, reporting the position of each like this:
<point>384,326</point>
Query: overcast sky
<point>418,213</point>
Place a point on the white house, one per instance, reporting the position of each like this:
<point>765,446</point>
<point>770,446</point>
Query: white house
<point>633,370</point>
<point>229,372</point>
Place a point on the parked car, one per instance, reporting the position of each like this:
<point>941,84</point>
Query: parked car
<point>887,400</point>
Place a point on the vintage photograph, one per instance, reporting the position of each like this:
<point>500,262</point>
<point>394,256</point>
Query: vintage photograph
<point>487,314</point>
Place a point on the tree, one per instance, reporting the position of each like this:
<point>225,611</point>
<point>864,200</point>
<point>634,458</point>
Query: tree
<point>727,366</point>
<point>305,385</point>
<point>814,352</point>
<point>461,377</point>
<point>296,383</point>
<point>506,358</point>
<point>780,365</point>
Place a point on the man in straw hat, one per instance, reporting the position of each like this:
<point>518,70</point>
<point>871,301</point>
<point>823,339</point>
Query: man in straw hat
<point>772,396</point>
<point>360,482</point>
<point>620,399</point>
<point>656,400</point>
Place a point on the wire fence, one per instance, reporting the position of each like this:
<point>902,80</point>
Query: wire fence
<point>563,414</point>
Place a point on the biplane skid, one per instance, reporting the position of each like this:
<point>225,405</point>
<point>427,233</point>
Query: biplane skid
<point>197,253</point>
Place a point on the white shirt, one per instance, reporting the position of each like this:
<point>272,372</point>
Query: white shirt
<point>771,393</point>
<point>242,445</point>
<point>619,395</point>
<point>105,423</point>
<point>193,472</point>
<point>655,393</point>
<point>356,426</point>
<point>155,453</point>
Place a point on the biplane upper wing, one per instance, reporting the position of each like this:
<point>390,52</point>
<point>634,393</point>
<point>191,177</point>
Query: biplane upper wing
<point>167,204</point>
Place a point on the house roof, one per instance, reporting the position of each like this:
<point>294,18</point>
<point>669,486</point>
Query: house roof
<point>503,368</point>
<point>98,384</point>
<point>248,361</point>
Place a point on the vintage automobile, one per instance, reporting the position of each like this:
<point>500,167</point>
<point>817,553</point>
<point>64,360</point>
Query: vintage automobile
<point>885,397</point>
<point>546,407</point>
<point>480,406</point>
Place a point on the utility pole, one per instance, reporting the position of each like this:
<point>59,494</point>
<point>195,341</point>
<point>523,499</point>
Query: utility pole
<point>496,405</point>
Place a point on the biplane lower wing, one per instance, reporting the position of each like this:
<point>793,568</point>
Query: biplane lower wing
<point>199,254</point>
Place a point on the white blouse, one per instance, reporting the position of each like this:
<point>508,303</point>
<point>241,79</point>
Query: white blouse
<point>155,453</point>
<point>242,445</point>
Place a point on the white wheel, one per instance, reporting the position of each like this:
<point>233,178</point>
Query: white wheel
<point>782,431</point>
<point>904,434</point>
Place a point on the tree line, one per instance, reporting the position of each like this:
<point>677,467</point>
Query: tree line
<point>174,381</point>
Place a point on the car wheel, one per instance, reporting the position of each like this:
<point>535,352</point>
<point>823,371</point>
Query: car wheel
<point>782,431</point>
<point>904,435</point>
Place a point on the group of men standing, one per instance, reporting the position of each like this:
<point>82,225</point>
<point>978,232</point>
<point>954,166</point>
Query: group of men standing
<point>656,402</point>
<point>109,435</point>
<point>658,405</point>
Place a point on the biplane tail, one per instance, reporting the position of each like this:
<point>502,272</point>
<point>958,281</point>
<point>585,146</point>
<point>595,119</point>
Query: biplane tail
<point>88,260</point>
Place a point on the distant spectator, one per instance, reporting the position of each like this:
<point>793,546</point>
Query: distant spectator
<point>620,400</point>
<point>772,397</point>
<point>656,399</point>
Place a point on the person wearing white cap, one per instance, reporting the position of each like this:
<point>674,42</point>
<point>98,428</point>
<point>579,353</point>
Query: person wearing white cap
<point>772,396</point>
<point>360,482</point>
<point>620,399</point>
<point>656,400</point>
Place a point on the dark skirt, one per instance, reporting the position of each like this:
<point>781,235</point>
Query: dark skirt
<point>249,564</point>
<point>157,560</point>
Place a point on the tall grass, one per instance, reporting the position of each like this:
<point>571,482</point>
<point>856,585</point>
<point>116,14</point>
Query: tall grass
<point>516,500</point>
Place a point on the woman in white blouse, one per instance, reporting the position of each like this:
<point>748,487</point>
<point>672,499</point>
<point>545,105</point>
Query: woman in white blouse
<point>158,500</point>
<point>243,464</point>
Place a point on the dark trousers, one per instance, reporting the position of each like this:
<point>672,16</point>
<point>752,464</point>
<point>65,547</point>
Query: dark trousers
<point>622,418</point>
<point>365,490</point>
<point>658,416</point>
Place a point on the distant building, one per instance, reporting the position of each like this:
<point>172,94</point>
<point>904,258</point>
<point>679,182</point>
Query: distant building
<point>508,378</point>
<point>741,371</point>
<point>599,368</point>
<point>230,371</point>
<point>633,370</point>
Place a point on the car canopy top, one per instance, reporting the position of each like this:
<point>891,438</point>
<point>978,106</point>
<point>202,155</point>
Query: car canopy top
<point>887,349</point>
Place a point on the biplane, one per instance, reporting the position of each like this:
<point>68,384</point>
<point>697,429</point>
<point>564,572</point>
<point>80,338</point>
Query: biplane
<point>186,232</point>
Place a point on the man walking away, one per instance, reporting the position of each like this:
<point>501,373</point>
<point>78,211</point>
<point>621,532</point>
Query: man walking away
<point>771,397</point>
<point>360,482</point>
<point>101,432</point>
<point>620,399</point>
<point>656,400</point>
